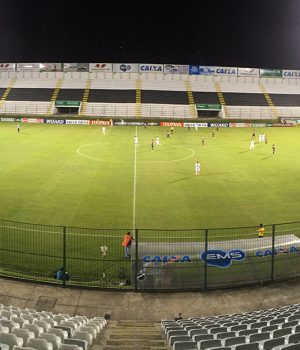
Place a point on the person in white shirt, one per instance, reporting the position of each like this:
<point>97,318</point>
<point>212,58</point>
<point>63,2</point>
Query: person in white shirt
<point>251,145</point>
<point>136,140</point>
<point>103,130</point>
<point>157,141</point>
<point>260,137</point>
<point>197,168</point>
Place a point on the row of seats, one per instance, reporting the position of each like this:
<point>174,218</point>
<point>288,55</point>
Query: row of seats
<point>23,328</point>
<point>266,329</point>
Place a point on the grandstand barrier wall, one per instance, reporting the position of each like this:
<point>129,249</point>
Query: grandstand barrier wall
<point>161,260</point>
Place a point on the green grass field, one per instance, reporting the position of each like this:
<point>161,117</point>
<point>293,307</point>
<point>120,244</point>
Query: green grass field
<point>76,176</point>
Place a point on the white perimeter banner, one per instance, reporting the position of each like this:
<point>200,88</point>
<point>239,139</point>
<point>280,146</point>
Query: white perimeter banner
<point>8,67</point>
<point>76,121</point>
<point>248,72</point>
<point>100,67</point>
<point>295,74</point>
<point>226,71</point>
<point>193,125</point>
<point>125,67</point>
<point>147,67</point>
<point>28,67</point>
<point>176,69</point>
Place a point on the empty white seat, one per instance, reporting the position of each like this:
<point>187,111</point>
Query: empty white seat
<point>34,328</point>
<point>69,347</point>
<point>90,329</point>
<point>49,320</point>
<point>81,343</point>
<point>48,314</point>
<point>42,324</point>
<point>25,334</point>
<point>58,318</point>
<point>70,324</point>
<point>4,329</point>
<point>9,324</point>
<point>22,348</point>
<point>10,340</point>
<point>59,333</point>
<point>101,320</point>
<point>18,319</point>
<point>29,318</point>
<point>95,325</point>
<point>39,344</point>
<point>6,313</point>
<point>83,335</point>
<point>51,338</point>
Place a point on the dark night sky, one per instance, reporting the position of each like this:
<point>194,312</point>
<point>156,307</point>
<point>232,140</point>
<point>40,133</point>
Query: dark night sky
<point>254,33</point>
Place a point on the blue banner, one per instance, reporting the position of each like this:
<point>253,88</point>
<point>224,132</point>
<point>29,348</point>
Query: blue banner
<point>194,70</point>
<point>206,70</point>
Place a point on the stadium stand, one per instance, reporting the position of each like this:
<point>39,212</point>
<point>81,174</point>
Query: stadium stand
<point>161,95</point>
<point>29,329</point>
<point>277,328</point>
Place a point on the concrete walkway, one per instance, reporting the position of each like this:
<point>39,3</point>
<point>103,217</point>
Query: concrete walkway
<point>147,306</point>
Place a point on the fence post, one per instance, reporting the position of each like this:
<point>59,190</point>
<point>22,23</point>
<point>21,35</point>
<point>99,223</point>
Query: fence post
<point>205,263</point>
<point>64,253</point>
<point>273,255</point>
<point>136,262</point>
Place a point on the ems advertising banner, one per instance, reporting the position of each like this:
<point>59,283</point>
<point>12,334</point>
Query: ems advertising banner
<point>100,67</point>
<point>270,73</point>
<point>226,71</point>
<point>206,70</point>
<point>176,69</point>
<point>125,67</point>
<point>146,67</point>
<point>295,74</point>
<point>35,67</point>
<point>248,72</point>
<point>8,67</point>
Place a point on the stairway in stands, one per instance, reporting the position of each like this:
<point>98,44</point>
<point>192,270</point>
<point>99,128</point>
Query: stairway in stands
<point>7,91</point>
<point>221,98</point>
<point>138,99</point>
<point>269,100</point>
<point>191,99</point>
<point>54,96</point>
<point>131,335</point>
<point>85,97</point>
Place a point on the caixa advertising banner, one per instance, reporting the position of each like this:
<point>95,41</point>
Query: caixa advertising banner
<point>125,67</point>
<point>226,71</point>
<point>7,67</point>
<point>100,67</point>
<point>293,74</point>
<point>151,68</point>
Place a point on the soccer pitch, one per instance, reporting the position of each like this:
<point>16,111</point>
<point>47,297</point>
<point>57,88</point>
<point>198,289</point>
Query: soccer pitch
<point>77,176</point>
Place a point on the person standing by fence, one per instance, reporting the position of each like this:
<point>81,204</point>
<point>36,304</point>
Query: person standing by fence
<point>261,231</point>
<point>127,240</point>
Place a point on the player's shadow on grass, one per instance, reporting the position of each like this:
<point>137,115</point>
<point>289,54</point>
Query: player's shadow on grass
<point>267,157</point>
<point>245,151</point>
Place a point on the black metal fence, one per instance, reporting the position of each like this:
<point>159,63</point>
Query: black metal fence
<point>198,259</point>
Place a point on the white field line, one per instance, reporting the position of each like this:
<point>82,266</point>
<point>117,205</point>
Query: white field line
<point>134,186</point>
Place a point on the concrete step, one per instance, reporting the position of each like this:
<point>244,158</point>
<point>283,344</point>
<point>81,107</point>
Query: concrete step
<point>138,347</point>
<point>135,342</point>
<point>147,336</point>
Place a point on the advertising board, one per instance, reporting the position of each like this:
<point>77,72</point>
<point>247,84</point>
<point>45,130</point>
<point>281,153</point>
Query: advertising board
<point>125,67</point>
<point>100,67</point>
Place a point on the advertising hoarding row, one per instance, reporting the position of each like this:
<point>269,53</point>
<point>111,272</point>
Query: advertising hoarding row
<point>151,68</point>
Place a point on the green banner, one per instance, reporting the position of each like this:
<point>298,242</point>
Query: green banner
<point>65,103</point>
<point>270,73</point>
<point>208,107</point>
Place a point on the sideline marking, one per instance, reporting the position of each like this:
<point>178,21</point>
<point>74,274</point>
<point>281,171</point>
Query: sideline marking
<point>78,150</point>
